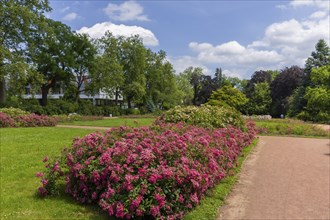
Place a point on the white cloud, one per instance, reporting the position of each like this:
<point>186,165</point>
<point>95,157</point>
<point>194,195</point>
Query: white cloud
<point>318,15</point>
<point>323,4</point>
<point>65,9</point>
<point>99,29</point>
<point>183,62</point>
<point>127,11</point>
<point>70,17</point>
<point>284,44</point>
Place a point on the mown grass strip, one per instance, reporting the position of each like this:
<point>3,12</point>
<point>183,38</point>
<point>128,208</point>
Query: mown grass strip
<point>114,122</point>
<point>209,206</point>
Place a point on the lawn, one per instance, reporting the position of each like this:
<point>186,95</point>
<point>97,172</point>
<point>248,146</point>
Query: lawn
<point>114,122</point>
<point>290,127</point>
<point>22,150</point>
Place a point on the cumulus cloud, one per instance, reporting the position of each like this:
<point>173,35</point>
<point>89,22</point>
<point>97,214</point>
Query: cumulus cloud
<point>127,11</point>
<point>99,29</point>
<point>283,44</point>
<point>70,17</point>
<point>183,62</point>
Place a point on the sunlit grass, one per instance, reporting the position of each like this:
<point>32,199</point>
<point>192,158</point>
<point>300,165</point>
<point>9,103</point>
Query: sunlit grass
<point>22,150</point>
<point>114,122</point>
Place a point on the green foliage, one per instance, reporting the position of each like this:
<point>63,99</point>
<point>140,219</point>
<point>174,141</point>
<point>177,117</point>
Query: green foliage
<point>289,127</point>
<point>320,57</point>
<point>21,152</point>
<point>206,116</point>
<point>228,96</point>
<point>260,101</point>
<point>12,112</point>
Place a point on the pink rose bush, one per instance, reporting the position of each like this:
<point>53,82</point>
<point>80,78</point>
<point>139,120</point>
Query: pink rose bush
<point>161,171</point>
<point>30,120</point>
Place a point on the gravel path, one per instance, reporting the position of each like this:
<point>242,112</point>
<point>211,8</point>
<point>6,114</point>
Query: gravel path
<point>282,178</point>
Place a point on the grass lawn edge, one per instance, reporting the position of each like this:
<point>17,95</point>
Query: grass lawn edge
<point>210,204</point>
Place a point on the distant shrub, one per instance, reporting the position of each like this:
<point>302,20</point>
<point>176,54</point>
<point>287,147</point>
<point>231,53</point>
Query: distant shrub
<point>257,117</point>
<point>132,111</point>
<point>31,120</point>
<point>6,121</point>
<point>14,111</point>
<point>205,116</point>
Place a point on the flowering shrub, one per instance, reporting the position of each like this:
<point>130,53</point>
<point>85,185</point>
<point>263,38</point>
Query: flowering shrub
<point>6,121</point>
<point>31,120</point>
<point>205,116</point>
<point>160,171</point>
<point>12,112</point>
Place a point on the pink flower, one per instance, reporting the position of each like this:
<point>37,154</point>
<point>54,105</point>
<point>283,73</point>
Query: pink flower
<point>45,159</point>
<point>39,174</point>
<point>154,211</point>
<point>120,210</point>
<point>194,198</point>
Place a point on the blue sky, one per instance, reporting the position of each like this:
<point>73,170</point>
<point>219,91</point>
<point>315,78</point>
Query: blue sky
<point>238,36</point>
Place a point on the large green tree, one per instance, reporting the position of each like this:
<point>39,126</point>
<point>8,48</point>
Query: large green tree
<point>259,103</point>
<point>19,20</point>
<point>229,97</point>
<point>109,75</point>
<point>52,56</point>
<point>82,57</point>
<point>282,88</point>
<point>133,60</point>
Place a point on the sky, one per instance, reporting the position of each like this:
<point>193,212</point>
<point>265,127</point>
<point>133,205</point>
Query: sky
<point>240,37</point>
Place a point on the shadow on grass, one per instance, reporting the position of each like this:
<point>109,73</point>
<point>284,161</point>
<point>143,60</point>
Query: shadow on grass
<point>93,209</point>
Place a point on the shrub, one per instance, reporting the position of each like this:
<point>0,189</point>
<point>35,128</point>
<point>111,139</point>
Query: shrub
<point>34,120</point>
<point>132,111</point>
<point>205,116</point>
<point>159,171</point>
<point>14,111</point>
<point>6,121</point>
<point>31,120</point>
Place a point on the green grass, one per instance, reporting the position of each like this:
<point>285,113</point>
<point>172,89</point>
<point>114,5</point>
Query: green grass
<point>114,122</point>
<point>290,127</point>
<point>209,206</point>
<point>22,150</point>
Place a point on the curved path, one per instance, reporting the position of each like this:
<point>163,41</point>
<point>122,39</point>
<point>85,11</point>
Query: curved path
<point>282,178</point>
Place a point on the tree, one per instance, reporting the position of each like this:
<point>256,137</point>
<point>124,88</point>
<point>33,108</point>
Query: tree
<point>19,20</point>
<point>260,101</point>
<point>207,86</point>
<point>318,95</point>
<point>109,74</point>
<point>258,77</point>
<point>229,97</point>
<point>133,60</point>
<point>161,89</point>
<point>282,88</point>
<point>50,53</point>
<point>82,63</point>
<point>318,58</point>
<point>186,92</point>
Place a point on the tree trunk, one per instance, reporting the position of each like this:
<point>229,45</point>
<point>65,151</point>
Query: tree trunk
<point>44,95</point>
<point>116,97</point>
<point>129,102</point>
<point>2,91</point>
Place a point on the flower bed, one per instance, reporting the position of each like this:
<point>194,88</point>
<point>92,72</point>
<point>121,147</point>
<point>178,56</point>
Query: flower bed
<point>160,171</point>
<point>31,120</point>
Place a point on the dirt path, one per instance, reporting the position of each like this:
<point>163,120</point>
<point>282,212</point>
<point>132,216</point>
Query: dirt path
<point>283,178</point>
